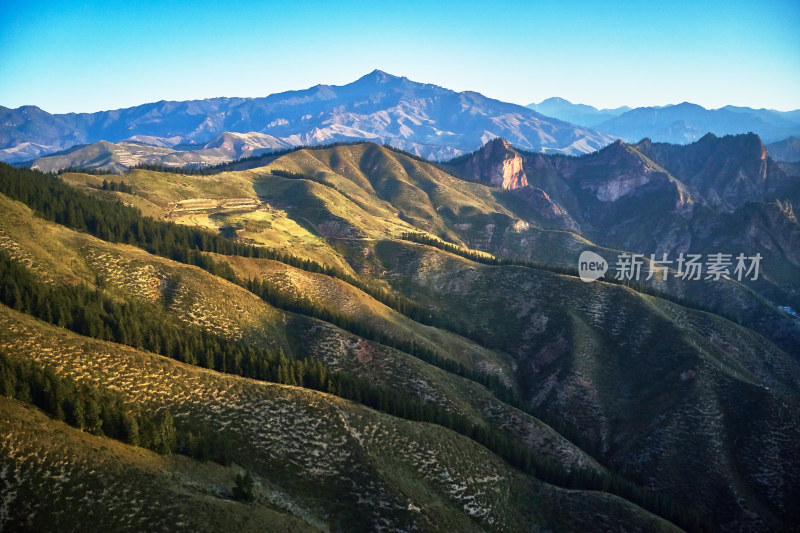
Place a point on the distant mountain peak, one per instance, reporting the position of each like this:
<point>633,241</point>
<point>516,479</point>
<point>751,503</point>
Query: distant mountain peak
<point>689,105</point>
<point>687,122</point>
<point>787,150</point>
<point>582,114</point>
<point>378,76</point>
<point>617,147</point>
<point>556,100</point>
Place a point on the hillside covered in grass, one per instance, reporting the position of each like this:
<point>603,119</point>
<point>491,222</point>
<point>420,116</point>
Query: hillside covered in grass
<point>277,324</point>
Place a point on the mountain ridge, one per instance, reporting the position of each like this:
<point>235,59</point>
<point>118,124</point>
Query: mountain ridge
<point>418,117</point>
<point>651,388</point>
<point>680,123</point>
<point>658,198</point>
<point>582,114</point>
<point>787,150</point>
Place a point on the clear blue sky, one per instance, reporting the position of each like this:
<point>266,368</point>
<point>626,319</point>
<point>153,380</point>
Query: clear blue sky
<point>92,55</point>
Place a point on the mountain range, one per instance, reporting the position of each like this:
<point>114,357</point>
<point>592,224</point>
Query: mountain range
<point>377,341</point>
<point>421,118</point>
<point>120,156</point>
<point>655,198</point>
<point>582,114</point>
<point>676,124</point>
<point>787,150</point>
<point>237,314</point>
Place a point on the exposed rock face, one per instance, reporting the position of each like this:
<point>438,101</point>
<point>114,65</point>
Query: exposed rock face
<point>715,195</point>
<point>498,164</point>
<point>727,172</point>
<point>618,187</point>
<point>513,173</point>
<point>547,209</point>
<point>616,172</point>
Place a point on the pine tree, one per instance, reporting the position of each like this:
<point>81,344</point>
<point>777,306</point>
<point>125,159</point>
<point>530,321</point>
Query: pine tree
<point>131,429</point>
<point>94,423</point>
<point>243,491</point>
<point>167,438</point>
<point>78,414</point>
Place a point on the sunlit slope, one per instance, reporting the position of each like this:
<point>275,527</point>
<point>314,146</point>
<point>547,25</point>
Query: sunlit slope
<point>344,192</point>
<point>325,460</point>
<point>190,297</point>
<point>227,203</point>
<point>387,366</point>
<point>196,297</point>
<point>333,295</point>
<point>187,294</point>
<point>328,204</point>
<point>394,186</point>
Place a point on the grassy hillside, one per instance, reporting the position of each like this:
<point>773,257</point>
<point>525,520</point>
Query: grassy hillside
<point>191,297</point>
<point>326,204</point>
<point>225,203</point>
<point>472,368</point>
<point>313,456</point>
<point>95,483</point>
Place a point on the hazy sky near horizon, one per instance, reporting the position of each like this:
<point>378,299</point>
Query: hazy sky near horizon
<point>95,55</point>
